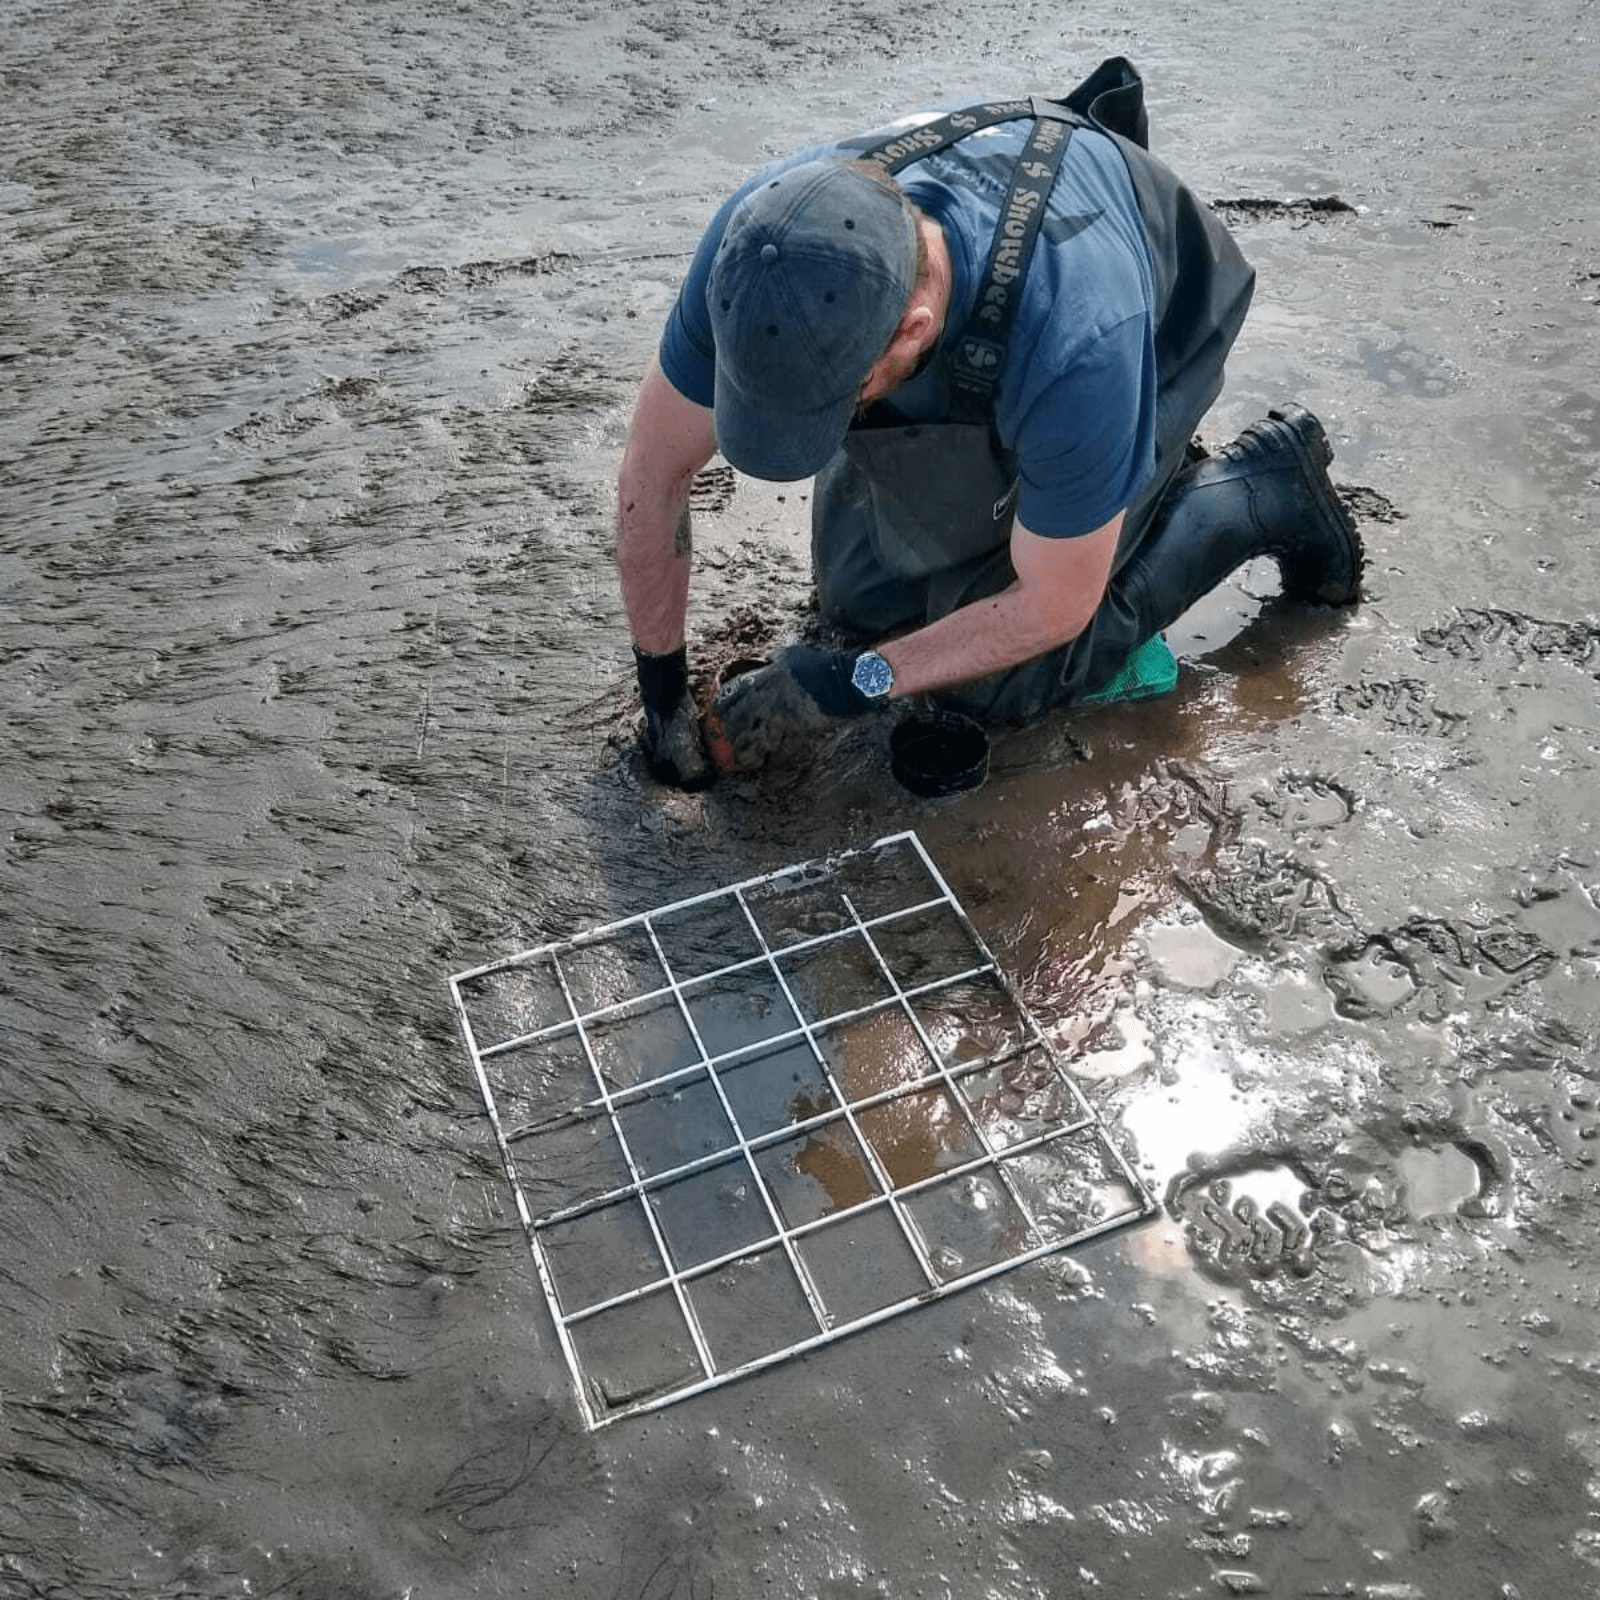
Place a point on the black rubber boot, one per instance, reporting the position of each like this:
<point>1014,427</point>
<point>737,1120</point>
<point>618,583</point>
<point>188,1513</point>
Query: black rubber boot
<point>1266,494</point>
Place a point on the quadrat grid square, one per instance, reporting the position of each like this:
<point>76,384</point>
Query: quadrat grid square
<point>746,1124</point>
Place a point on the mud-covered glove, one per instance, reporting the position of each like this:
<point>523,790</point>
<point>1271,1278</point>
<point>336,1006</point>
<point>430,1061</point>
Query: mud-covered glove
<point>671,733</point>
<point>775,712</point>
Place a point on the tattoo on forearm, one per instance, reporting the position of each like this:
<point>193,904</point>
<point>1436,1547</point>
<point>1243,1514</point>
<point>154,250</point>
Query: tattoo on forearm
<point>683,535</point>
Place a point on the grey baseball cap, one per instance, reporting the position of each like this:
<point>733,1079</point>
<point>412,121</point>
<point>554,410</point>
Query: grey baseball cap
<point>810,280</point>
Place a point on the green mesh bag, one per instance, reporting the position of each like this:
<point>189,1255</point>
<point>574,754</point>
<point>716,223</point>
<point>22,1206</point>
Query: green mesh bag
<point>1150,670</point>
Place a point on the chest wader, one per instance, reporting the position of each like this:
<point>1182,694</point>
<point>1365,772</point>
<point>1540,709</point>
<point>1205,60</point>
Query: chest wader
<point>906,513</point>
<point>911,521</point>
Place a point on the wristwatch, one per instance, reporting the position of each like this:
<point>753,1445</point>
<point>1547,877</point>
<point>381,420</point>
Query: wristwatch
<point>872,675</point>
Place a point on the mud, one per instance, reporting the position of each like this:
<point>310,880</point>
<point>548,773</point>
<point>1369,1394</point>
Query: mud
<point>318,330</point>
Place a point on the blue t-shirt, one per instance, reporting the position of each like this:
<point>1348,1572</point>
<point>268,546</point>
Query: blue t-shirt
<point>1076,400</point>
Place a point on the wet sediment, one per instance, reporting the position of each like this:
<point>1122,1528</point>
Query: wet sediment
<point>317,343</point>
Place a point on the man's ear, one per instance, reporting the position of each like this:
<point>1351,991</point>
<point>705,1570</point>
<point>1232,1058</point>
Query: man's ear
<point>911,335</point>
<point>917,325</point>
<point>916,328</point>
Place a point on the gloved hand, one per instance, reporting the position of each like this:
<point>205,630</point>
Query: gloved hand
<point>671,734</point>
<point>773,713</point>
<point>825,676</point>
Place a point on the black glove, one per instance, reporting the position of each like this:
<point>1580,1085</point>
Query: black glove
<point>671,734</point>
<point>825,675</point>
<point>774,713</point>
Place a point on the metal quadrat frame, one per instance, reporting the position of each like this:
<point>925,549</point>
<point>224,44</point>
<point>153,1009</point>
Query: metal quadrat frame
<point>748,1123</point>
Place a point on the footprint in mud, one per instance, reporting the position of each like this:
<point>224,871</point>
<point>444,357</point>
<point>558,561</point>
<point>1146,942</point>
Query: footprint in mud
<point>712,490</point>
<point>1405,705</point>
<point>1409,705</point>
<point>1256,897</point>
<point>1265,900</point>
<point>1320,208</point>
<point>475,274</point>
<point>1466,1175</point>
<point>1440,964</point>
<point>1367,505</point>
<point>1473,632</point>
<point>1514,950</point>
<point>1249,1224</point>
<point>1178,798</point>
<point>1305,802</point>
<point>1375,981</point>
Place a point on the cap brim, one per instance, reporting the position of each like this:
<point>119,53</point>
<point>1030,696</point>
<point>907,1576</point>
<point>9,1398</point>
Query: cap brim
<point>779,446</point>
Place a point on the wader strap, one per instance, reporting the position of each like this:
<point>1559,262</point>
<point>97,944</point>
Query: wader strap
<point>901,149</point>
<point>974,363</point>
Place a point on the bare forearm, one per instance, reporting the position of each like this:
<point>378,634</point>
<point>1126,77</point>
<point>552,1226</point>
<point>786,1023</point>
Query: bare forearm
<point>669,440</point>
<point>1058,585</point>
<point>986,636</point>
<point>654,555</point>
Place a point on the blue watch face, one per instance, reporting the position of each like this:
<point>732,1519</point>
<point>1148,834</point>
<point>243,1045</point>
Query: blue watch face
<point>872,675</point>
